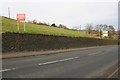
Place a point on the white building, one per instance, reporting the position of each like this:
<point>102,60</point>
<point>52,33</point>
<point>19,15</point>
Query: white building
<point>105,34</point>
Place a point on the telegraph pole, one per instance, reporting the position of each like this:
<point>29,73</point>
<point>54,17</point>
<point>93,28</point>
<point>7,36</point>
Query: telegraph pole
<point>80,27</point>
<point>9,12</point>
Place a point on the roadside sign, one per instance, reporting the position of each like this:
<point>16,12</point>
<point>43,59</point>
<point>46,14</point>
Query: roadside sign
<point>20,17</point>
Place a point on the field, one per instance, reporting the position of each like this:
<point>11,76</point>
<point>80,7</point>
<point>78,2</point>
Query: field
<point>10,25</point>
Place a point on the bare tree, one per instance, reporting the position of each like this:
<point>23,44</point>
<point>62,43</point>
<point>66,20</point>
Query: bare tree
<point>34,21</point>
<point>62,26</point>
<point>89,28</point>
<point>112,31</point>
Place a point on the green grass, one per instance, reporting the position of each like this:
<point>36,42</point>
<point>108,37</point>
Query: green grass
<point>9,25</point>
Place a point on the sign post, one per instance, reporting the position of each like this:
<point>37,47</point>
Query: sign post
<point>18,25</point>
<point>24,27</point>
<point>21,17</point>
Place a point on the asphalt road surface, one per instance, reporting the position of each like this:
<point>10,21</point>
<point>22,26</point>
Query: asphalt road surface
<point>93,63</point>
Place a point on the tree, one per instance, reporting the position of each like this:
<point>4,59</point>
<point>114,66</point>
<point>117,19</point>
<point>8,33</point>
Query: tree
<point>89,28</point>
<point>62,26</point>
<point>96,29</point>
<point>100,29</point>
<point>46,24</point>
<point>34,21</point>
<point>111,31</point>
<point>53,25</point>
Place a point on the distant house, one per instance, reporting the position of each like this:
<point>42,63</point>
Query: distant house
<point>105,34</point>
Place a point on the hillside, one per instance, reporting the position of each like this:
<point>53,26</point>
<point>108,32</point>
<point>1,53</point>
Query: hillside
<point>10,25</point>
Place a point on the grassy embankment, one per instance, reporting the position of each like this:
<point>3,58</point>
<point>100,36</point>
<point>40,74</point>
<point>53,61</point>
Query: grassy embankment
<point>9,25</point>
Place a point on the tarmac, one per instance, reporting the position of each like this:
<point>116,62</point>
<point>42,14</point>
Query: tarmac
<point>38,53</point>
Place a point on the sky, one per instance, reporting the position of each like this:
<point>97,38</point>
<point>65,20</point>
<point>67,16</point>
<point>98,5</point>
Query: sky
<point>71,13</point>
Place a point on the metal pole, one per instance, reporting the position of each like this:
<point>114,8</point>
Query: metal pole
<point>24,27</point>
<point>18,25</point>
<point>99,31</point>
<point>9,12</point>
<point>80,27</point>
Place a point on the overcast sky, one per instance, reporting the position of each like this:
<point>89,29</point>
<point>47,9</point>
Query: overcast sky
<point>68,12</point>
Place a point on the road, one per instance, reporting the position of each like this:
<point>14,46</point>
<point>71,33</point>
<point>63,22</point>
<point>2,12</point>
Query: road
<point>93,63</point>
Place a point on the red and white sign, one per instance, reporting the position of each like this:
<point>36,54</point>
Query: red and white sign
<point>21,17</point>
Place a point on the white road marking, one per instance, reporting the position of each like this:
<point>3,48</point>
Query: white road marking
<point>113,72</point>
<point>58,61</point>
<point>7,69</point>
<point>95,53</point>
<point>92,53</point>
